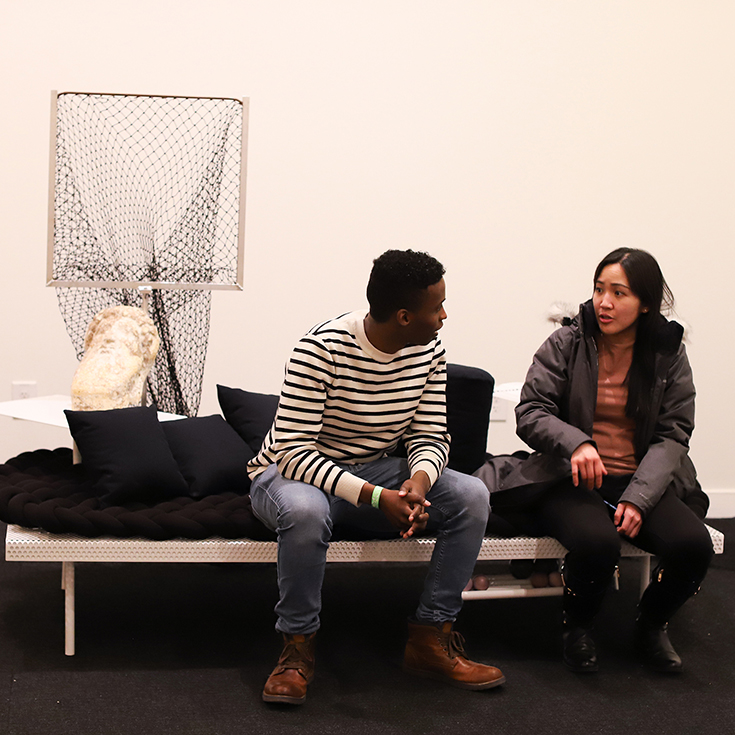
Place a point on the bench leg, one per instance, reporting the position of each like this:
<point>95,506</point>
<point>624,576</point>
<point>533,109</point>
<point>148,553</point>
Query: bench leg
<point>67,584</point>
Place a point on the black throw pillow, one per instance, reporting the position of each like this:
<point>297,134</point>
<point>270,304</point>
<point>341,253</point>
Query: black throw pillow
<point>469,399</point>
<point>210,454</point>
<point>249,414</point>
<point>127,448</point>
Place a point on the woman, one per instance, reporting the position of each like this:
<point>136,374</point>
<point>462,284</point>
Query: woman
<point>608,407</point>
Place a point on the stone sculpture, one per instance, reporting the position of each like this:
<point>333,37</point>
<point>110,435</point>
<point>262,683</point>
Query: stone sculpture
<point>119,349</point>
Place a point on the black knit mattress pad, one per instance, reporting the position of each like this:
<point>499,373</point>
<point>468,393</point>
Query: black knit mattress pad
<point>44,489</point>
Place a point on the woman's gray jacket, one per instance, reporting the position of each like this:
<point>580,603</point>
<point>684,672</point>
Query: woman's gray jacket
<point>556,413</point>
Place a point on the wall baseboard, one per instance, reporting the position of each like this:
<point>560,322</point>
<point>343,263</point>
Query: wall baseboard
<point>722,503</point>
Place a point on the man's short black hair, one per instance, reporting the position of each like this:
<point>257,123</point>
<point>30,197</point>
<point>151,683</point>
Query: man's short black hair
<point>398,279</point>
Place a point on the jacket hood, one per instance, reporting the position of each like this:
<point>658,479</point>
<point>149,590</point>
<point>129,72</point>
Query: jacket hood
<point>667,334</point>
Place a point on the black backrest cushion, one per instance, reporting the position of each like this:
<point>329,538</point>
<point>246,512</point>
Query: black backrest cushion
<point>127,448</point>
<point>249,414</point>
<point>211,455</point>
<point>469,399</point>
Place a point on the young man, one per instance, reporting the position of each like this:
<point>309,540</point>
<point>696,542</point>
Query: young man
<point>354,387</point>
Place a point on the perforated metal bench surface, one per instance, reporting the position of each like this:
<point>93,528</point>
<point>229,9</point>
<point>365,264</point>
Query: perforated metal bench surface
<point>23,544</point>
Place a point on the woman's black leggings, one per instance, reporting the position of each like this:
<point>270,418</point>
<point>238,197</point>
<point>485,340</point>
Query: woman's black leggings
<point>582,522</point>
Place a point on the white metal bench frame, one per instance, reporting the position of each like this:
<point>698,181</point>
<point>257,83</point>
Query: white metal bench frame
<point>23,544</point>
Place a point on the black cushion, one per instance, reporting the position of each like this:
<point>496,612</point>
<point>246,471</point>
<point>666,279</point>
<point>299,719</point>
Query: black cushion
<point>127,449</point>
<point>250,414</point>
<point>469,399</point>
<point>43,489</point>
<point>210,454</point>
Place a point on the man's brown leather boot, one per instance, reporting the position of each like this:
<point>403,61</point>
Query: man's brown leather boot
<point>436,652</point>
<point>294,671</point>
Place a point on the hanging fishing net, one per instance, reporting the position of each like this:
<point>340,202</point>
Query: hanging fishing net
<point>147,193</point>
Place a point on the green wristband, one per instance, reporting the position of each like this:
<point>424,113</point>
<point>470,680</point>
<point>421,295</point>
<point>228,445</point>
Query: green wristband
<point>375,499</point>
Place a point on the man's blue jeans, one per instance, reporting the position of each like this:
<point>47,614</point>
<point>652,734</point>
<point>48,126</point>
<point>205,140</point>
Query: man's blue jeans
<point>303,517</point>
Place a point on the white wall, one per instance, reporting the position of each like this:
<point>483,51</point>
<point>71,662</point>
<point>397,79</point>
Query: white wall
<point>516,141</point>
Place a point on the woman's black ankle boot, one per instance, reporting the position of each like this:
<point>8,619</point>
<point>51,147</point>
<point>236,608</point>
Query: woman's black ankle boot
<point>580,609</point>
<point>654,646</point>
<point>662,598</point>
<point>580,653</point>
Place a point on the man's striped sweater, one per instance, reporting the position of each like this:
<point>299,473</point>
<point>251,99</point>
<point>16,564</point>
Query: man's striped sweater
<point>344,401</point>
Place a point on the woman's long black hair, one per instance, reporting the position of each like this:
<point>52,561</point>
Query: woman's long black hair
<point>647,282</point>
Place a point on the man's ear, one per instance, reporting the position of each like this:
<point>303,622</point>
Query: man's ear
<point>403,317</point>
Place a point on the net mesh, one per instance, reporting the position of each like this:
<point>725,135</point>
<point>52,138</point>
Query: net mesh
<point>147,191</point>
<point>182,318</point>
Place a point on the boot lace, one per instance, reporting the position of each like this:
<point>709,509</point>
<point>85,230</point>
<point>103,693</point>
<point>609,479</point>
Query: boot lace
<point>455,644</point>
<point>294,656</point>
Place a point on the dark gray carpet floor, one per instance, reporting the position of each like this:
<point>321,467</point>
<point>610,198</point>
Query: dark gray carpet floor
<point>185,649</point>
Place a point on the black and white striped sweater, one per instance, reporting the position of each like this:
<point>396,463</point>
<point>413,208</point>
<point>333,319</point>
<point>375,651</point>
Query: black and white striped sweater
<point>345,401</point>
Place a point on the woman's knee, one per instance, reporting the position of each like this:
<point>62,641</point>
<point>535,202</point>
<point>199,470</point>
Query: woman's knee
<point>593,557</point>
<point>600,540</point>
<point>690,554</point>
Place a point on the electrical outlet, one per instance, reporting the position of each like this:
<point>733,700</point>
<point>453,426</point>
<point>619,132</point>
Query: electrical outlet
<point>20,389</point>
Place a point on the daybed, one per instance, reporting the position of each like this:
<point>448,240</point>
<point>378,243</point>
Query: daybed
<point>177,492</point>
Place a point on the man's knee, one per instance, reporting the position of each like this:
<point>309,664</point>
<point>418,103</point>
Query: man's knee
<point>309,507</point>
<point>478,498</point>
<point>304,510</point>
<point>466,494</point>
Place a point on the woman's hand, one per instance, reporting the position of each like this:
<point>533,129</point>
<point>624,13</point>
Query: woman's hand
<point>628,519</point>
<point>587,466</point>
